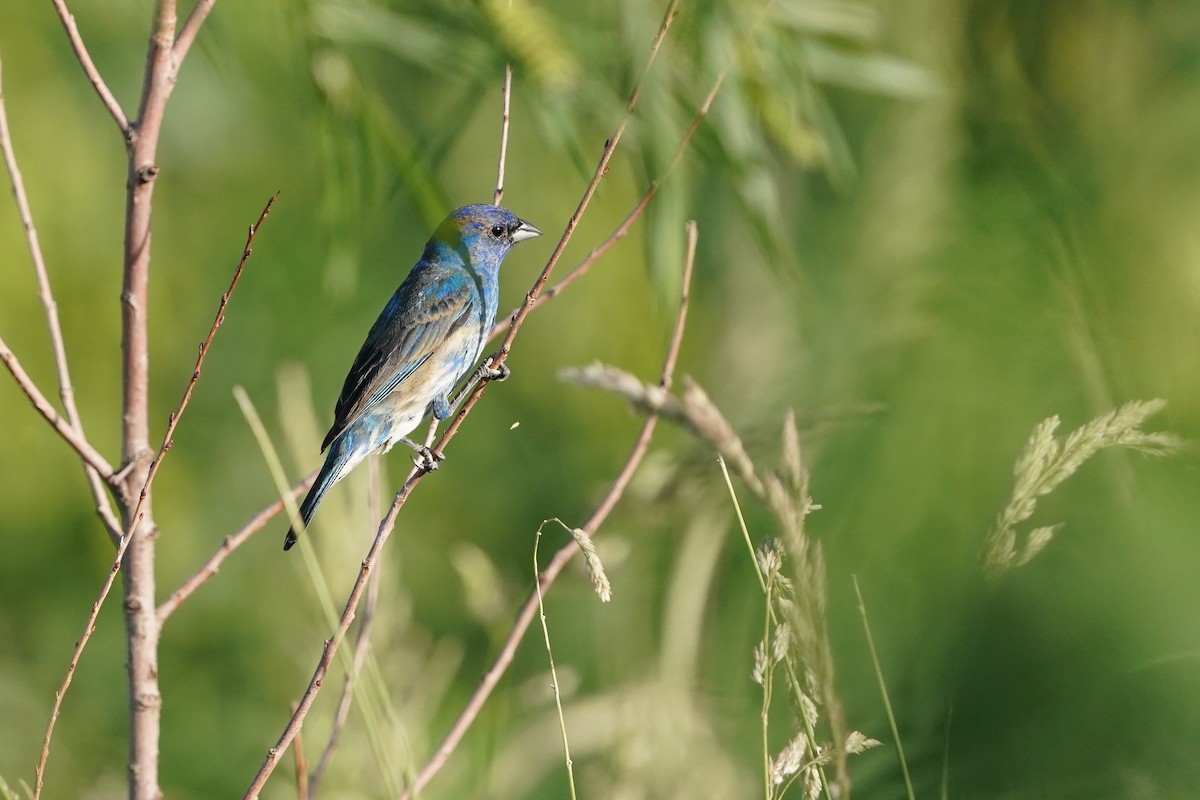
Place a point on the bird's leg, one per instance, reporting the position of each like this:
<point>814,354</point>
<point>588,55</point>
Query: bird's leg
<point>426,459</point>
<point>498,374</point>
<point>441,408</point>
<point>484,371</point>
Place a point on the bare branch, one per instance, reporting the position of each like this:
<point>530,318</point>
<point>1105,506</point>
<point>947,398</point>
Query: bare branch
<point>135,518</point>
<point>632,217</point>
<point>88,630</point>
<point>302,787</point>
<point>228,545</point>
<point>173,420</point>
<point>141,622</point>
<point>527,612</point>
<point>292,729</point>
<point>65,390</point>
<point>362,641</point>
<point>89,68</point>
<point>685,299</point>
<point>69,434</point>
<point>499,194</point>
<point>191,26</point>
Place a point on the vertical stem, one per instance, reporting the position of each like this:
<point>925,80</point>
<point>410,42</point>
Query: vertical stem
<point>141,621</point>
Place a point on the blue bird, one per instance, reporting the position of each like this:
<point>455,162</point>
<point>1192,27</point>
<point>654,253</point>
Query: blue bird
<point>425,340</point>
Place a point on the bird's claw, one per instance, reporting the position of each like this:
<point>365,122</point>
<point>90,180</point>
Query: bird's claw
<point>427,460</point>
<point>497,374</point>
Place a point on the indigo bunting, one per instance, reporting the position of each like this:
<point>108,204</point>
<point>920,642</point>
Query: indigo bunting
<point>427,337</point>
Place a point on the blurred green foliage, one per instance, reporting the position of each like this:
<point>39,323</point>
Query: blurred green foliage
<point>926,225</point>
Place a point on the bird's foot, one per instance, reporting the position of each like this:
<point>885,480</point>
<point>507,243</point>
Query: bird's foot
<point>428,460</point>
<point>498,374</point>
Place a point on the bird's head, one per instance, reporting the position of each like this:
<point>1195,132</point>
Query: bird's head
<point>483,234</point>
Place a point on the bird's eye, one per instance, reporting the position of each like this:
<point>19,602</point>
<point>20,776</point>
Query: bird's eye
<point>498,231</point>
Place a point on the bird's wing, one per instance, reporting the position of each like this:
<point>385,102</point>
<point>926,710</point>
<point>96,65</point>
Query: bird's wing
<point>423,312</point>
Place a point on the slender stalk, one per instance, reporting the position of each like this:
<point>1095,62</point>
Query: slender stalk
<point>191,26</point>
<point>89,68</point>
<point>499,193</point>
<point>635,213</point>
<point>303,789</point>
<point>66,392</point>
<point>767,683</point>
<point>86,452</point>
<point>331,644</point>
<point>562,722</point>
<point>362,642</point>
<point>229,544</point>
<point>887,701</point>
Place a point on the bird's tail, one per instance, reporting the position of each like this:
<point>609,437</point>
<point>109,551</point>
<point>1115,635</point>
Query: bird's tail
<point>337,463</point>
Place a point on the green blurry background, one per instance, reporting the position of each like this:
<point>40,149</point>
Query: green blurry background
<point>925,225</point>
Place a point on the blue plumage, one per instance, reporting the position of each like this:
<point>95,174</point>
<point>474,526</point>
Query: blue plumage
<point>428,336</point>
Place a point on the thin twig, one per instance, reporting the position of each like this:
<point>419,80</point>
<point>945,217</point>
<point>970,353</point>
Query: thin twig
<point>525,615</point>
<point>65,391</point>
<point>136,516</point>
<point>361,645</point>
<point>228,545</point>
<point>499,194</point>
<point>191,26</point>
<point>173,419</point>
<point>80,445</point>
<point>302,786</point>
<point>635,213</point>
<point>331,644</point>
<point>385,527</point>
<point>89,68</point>
<point>685,300</point>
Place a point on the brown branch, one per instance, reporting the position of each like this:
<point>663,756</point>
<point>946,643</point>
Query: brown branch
<point>623,229</point>
<point>173,419</point>
<point>88,630</point>
<point>331,644</point>
<point>138,547</point>
<point>135,517</point>
<point>302,787</point>
<point>507,100</point>
<point>685,300</point>
<point>385,526</point>
<point>362,643</point>
<point>527,612</point>
<point>228,545</point>
<point>89,68</point>
<point>65,390</point>
<point>191,26</point>
<point>80,445</point>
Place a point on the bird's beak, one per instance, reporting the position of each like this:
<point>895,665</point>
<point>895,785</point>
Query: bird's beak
<point>525,231</point>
